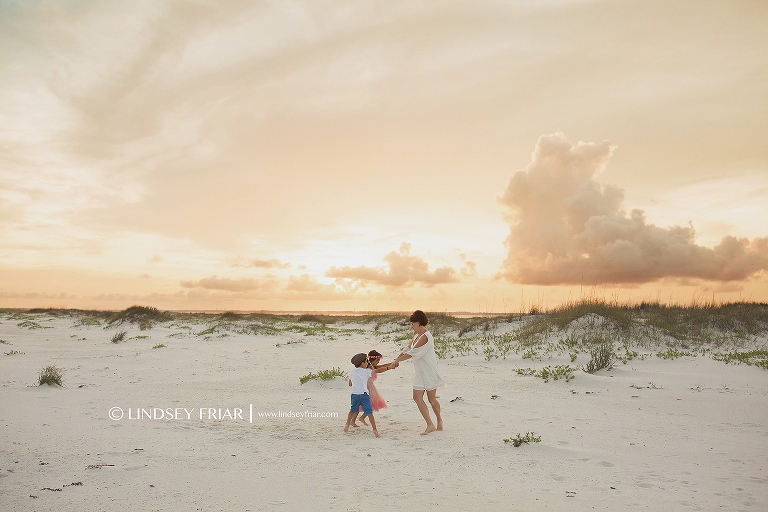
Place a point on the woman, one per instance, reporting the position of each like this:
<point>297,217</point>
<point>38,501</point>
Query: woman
<point>427,376</point>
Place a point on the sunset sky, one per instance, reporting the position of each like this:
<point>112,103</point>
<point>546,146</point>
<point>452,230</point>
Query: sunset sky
<point>477,156</point>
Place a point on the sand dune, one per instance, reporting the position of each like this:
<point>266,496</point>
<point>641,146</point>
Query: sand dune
<point>193,431</point>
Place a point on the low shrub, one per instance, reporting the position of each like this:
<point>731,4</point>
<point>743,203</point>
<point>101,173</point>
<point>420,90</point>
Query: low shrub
<point>324,375</point>
<point>51,375</point>
<point>561,371</point>
<point>602,358</point>
<point>119,336</point>
<point>529,437</point>
<point>757,358</point>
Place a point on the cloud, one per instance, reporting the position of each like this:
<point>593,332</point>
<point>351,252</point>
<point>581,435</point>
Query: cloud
<point>305,283</point>
<point>36,295</point>
<point>404,270</point>
<point>470,267</point>
<point>566,228</point>
<point>728,288</point>
<point>259,263</point>
<point>243,284</point>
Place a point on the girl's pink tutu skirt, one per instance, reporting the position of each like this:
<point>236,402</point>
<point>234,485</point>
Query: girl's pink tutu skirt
<point>377,401</point>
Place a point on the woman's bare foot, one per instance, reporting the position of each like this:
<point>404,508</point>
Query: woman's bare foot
<point>430,428</point>
<point>376,433</point>
<point>439,425</point>
<point>346,429</point>
<point>355,425</point>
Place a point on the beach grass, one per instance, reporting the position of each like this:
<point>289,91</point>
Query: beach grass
<point>604,329</point>
<point>752,358</point>
<point>579,327</point>
<point>51,375</point>
<point>518,440</point>
<point>119,336</point>
<point>144,316</point>
<point>603,358</point>
<point>324,375</point>
<point>547,373</point>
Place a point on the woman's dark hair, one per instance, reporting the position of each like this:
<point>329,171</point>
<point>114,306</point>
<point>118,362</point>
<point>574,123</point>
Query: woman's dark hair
<point>419,316</point>
<point>374,353</point>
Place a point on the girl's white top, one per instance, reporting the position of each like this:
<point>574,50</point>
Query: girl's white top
<point>426,374</point>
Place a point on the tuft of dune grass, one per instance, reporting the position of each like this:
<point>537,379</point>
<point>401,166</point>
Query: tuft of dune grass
<point>51,375</point>
<point>145,316</point>
<point>119,336</point>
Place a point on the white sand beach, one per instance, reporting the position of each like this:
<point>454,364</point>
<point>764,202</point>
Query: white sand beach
<point>652,434</point>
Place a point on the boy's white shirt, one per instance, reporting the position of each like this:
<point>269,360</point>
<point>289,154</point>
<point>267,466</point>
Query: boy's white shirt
<point>359,378</point>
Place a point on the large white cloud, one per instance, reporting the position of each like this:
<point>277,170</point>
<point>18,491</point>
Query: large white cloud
<point>567,228</point>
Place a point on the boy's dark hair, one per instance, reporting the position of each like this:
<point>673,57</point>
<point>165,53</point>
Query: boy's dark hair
<point>419,316</point>
<point>358,359</point>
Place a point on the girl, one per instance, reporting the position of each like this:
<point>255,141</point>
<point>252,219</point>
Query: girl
<point>377,401</point>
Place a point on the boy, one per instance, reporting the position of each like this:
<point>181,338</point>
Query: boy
<point>358,379</point>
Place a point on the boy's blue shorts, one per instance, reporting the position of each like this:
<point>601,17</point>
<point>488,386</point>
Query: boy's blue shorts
<point>363,401</point>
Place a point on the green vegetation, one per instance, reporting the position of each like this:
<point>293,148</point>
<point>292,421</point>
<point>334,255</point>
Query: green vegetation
<point>29,324</point>
<point>605,330</point>
<point>14,353</point>
<point>119,336</point>
<point>291,342</point>
<point>672,353</point>
<point>753,358</point>
<point>602,358</point>
<point>160,345</point>
<point>628,355</point>
<point>87,321</point>
<point>209,331</point>
<point>446,347</point>
<point>51,375</point>
<point>145,316</point>
<point>324,375</point>
<point>561,371</point>
<point>529,437</point>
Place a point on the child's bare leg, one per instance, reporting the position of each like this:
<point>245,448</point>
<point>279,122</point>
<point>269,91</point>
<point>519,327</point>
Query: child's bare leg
<point>362,419</point>
<point>418,397</point>
<point>350,418</point>
<point>432,397</point>
<point>373,424</point>
<point>354,419</point>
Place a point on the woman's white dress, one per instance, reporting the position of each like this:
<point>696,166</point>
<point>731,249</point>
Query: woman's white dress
<point>426,374</point>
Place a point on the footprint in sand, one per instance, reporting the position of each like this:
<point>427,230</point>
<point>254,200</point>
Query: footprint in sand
<point>606,464</point>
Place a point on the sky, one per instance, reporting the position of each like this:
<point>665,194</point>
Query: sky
<point>463,156</point>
